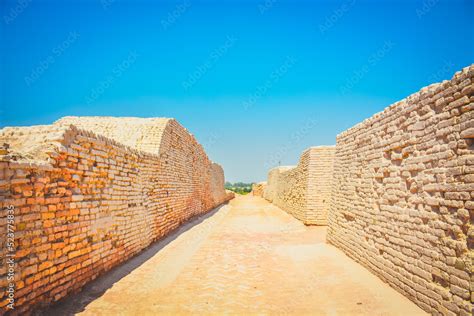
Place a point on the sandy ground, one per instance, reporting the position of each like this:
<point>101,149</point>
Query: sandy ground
<point>247,257</point>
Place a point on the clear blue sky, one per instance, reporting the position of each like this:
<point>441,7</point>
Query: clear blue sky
<point>256,82</point>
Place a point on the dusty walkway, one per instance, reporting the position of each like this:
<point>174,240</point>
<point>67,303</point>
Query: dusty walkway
<point>248,257</point>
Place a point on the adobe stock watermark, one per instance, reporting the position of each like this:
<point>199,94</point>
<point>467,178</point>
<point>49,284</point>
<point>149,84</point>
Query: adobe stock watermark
<point>17,10</point>
<point>295,138</point>
<point>426,7</point>
<point>265,5</point>
<point>115,74</point>
<point>446,69</point>
<point>106,4</point>
<point>336,15</point>
<point>210,62</point>
<point>211,140</point>
<point>56,53</point>
<point>275,76</point>
<point>10,256</point>
<point>174,15</point>
<point>372,61</point>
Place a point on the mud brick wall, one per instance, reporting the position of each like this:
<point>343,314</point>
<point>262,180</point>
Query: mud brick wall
<point>272,188</point>
<point>84,202</point>
<point>304,191</point>
<point>219,195</point>
<point>162,136</point>
<point>403,195</point>
<point>258,188</point>
<point>139,133</point>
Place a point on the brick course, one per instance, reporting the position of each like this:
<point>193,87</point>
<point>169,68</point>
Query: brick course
<point>402,201</point>
<point>85,202</point>
<point>304,191</point>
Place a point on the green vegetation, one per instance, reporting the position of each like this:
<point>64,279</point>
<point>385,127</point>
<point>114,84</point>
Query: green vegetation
<point>239,187</point>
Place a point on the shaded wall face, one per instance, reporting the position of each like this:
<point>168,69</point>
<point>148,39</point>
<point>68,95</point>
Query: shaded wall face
<point>320,167</point>
<point>94,203</point>
<point>186,172</point>
<point>290,189</point>
<point>304,191</point>
<point>403,195</point>
<point>258,189</point>
<point>273,183</point>
<point>217,184</point>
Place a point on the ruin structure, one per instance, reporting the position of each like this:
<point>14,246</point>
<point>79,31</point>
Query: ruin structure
<point>403,195</point>
<point>87,193</point>
<point>258,188</point>
<point>304,191</point>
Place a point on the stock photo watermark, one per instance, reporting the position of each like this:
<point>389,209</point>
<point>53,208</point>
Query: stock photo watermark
<point>174,15</point>
<point>115,74</point>
<point>296,137</point>
<point>426,7</point>
<point>441,73</point>
<point>16,11</point>
<point>265,5</point>
<point>336,15</point>
<point>211,140</point>
<point>210,62</point>
<point>106,4</point>
<point>275,76</point>
<point>372,61</point>
<point>10,257</point>
<point>56,53</point>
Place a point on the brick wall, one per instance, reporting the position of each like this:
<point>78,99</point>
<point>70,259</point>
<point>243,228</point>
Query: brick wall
<point>274,182</point>
<point>258,188</point>
<point>304,191</point>
<point>84,202</point>
<point>139,133</point>
<point>218,194</point>
<point>403,195</point>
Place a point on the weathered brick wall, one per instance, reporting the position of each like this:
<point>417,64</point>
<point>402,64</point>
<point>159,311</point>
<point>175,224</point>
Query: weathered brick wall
<point>258,188</point>
<point>139,133</point>
<point>304,191</point>
<point>273,182</point>
<point>320,166</point>
<point>403,195</point>
<point>217,184</point>
<point>84,203</point>
<point>162,136</point>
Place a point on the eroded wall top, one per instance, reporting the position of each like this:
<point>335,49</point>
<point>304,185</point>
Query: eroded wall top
<point>139,133</point>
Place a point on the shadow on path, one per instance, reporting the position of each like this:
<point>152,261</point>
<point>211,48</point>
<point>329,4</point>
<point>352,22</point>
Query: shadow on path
<point>76,302</point>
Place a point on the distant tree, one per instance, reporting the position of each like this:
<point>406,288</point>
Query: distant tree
<point>239,187</point>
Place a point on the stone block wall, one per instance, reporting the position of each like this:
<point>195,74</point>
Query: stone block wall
<point>84,203</point>
<point>304,191</point>
<point>403,195</point>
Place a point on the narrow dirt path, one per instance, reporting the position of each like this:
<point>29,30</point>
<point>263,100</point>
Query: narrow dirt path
<point>249,257</point>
